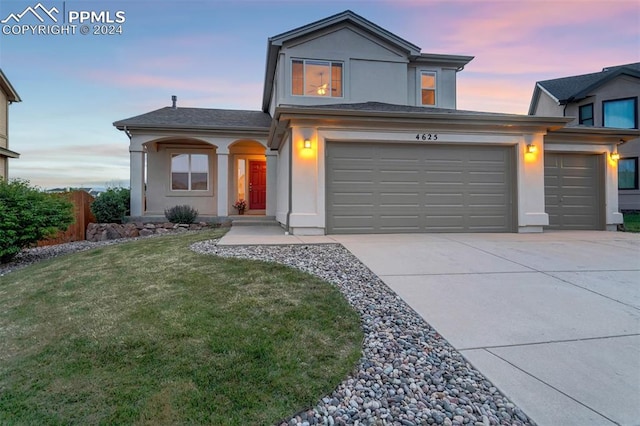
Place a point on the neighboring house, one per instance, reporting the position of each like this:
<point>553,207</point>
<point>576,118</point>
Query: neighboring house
<point>359,133</point>
<point>8,95</point>
<point>603,99</point>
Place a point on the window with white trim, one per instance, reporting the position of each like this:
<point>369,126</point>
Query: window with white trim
<point>428,88</point>
<point>189,172</point>
<point>316,78</point>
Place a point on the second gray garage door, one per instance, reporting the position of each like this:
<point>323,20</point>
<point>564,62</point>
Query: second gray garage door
<point>573,191</point>
<point>396,188</point>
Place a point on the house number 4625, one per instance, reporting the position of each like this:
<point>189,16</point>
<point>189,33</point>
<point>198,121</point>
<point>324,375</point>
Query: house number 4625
<point>427,137</point>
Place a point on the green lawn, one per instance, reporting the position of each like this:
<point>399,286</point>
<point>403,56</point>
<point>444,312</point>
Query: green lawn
<point>632,222</point>
<point>148,332</point>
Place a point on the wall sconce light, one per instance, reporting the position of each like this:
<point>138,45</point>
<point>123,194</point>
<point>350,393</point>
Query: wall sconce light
<point>531,148</point>
<point>307,144</point>
<point>614,156</point>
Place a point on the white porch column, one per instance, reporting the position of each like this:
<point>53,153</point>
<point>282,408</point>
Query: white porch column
<point>136,169</point>
<point>222,193</point>
<point>272,182</point>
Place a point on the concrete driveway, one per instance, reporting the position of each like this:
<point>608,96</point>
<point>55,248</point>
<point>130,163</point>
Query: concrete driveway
<point>553,319</point>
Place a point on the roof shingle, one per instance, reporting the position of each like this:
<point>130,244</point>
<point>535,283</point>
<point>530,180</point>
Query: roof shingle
<point>198,118</point>
<point>577,87</point>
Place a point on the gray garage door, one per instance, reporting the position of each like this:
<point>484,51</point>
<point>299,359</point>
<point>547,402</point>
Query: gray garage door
<point>383,188</point>
<point>573,191</point>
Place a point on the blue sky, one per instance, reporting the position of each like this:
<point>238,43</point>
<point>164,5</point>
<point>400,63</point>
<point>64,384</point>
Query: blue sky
<point>212,54</point>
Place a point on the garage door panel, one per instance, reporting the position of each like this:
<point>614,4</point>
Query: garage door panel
<point>573,191</point>
<point>419,188</point>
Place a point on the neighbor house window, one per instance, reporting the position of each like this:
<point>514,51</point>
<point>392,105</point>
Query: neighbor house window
<point>621,113</point>
<point>586,115</point>
<point>189,172</point>
<point>628,173</point>
<point>316,78</point>
<point>428,88</point>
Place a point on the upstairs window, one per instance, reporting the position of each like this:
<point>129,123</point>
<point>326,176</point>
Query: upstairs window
<point>586,115</point>
<point>628,173</point>
<point>621,113</point>
<point>428,88</point>
<point>189,172</point>
<point>316,78</point>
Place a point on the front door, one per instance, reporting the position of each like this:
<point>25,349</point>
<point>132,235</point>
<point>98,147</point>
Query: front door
<point>257,185</point>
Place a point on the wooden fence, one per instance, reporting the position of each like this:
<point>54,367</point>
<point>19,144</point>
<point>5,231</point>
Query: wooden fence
<point>76,231</point>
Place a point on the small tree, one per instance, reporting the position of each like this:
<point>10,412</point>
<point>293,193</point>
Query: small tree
<point>28,215</point>
<point>112,205</point>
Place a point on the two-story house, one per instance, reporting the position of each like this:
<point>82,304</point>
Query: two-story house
<point>8,95</point>
<point>608,98</point>
<point>359,133</point>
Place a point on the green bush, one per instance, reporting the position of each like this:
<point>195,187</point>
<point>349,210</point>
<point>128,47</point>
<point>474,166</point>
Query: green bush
<point>181,214</point>
<point>112,205</point>
<point>28,215</point>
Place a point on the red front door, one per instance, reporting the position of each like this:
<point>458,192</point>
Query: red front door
<point>257,185</point>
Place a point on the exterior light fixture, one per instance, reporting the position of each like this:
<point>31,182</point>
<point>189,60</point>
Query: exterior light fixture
<point>531,148</point>
<point>615,156</point>
<point>307,144</point>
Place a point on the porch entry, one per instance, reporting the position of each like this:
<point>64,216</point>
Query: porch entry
<point>257,185</point>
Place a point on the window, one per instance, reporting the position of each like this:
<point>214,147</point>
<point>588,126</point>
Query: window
<point>621,113</point>
<point>428,88</point>
<point>189,172</point>
<point>316,78</point>
<point>586,115</point>
<point>628,173</point>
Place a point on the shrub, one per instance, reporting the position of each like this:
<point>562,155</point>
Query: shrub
<point>28,215</point>
<point>181,214</point>
<point>112,205</point>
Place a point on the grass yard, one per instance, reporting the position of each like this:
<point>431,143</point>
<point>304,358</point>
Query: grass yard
<point>632,222</point>
<point>148,332</point>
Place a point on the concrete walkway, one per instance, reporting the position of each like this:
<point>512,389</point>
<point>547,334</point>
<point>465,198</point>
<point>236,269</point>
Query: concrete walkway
<point>552,319</point>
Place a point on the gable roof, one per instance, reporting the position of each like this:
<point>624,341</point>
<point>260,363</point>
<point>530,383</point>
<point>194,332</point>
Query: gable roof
<point>198,118</point>
<point>275,43</point>
<point>7,88</point>
<point>575,88</point>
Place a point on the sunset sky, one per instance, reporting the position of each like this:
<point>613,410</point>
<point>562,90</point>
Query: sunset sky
<point>212,54</point>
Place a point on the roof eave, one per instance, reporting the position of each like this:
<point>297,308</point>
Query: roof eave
<point>506,120</point>
<point>6,86</point>
<point>453,61</point>
<point>188,127</point>
<point>8,153</point>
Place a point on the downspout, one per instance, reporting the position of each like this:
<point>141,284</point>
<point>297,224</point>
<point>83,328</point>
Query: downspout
<point>566,104</point>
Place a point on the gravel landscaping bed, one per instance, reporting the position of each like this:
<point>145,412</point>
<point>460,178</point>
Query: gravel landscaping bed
<point>408,374</point>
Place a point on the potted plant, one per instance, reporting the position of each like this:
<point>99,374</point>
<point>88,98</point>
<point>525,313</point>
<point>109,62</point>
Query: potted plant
<point>240,205</point>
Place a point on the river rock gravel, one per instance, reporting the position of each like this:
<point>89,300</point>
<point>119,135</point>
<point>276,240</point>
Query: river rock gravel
<point>408,374</point>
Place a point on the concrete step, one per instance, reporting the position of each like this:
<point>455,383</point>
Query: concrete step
<point>248,220</point>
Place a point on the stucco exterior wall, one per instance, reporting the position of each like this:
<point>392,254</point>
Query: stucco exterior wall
<point>445,85</point>
<point>629,199</point>
<point>282,200</point>
<point>377,81</point>
<point>618,88</point>
<point>371,69</point>
<point>548,107</point>
<point>159,195</point>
